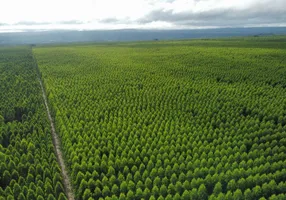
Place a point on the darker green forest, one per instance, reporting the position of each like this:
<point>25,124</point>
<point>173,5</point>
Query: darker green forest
<point>28,167</point>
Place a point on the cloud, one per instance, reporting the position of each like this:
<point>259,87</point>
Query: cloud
<point>109,20</point>
<point>71,22</point>
<point>143,13</point>
<point>33,23</point>
<point>114,20</point>
<point>264,12</point>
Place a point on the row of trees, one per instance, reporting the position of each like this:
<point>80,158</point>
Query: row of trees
<point>28,165</point>
<point>170,121</point>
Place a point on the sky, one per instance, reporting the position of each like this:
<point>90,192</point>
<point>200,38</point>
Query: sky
<point>142,14</point>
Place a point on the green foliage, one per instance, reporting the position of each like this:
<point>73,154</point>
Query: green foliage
<point>174,120</point>
<point>26,150</point>
<point>217,189</point>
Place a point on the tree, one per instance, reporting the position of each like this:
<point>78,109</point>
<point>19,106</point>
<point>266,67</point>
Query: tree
<point>97,192</point>
<point>140,185</point>
<point>169,197</point>
<point>1,120</point>
<point>221,196</point>
<point>194,183</point>
<point>148,183</point>
<point>39,190</point>
<point>194,194</point>
<point>218,188</point>
<point>111,171</point>
<point>115,189</point>
<point>58,189</point>
<point>231,186</point>
<point>79,178</point>
<point>130,195</point>
<point>137,176</point>
<point>122,196</point>
<point>257,192</point>
<point>241,184</point>
<point>51,197</point>
<point>152,197</point>
<point>237,195</point>
<point>177,197</point>
<point>270,189</point>
<point>139,193</point>
<point>6,177</point>
<point>21,197</point>
<point>131,185</point>
<point>48,188</point>
<point>186,195</point>
<point>212,197</point>
<point>146,193</point>
<point>262,198</point>
<point>282,187</point>
<point>165,181</point>
<point>87,194</point>
<point>123,187</point>
<point>16,190</point>
<point>179,187</point>
<point>62,196</point>
<point>202,192</point>
<point>105,181</point>
<point>163,190</point>
<point>187,185</point>
<point>248,194</point>
<point>229,196</point>
<point>273,197</point>
<point>173,178</point>
<point>56,178</point>
<point>155,191</point>
<point>31,194</point>
<point>171,189</point>
<point>10,197</point>
<point>160,197</point>
<point>157,181</point>
<point>15,175</point>
<point>106,191</point>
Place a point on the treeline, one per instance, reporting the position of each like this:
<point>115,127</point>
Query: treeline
<point>28,165</point>
<point>170,121</point>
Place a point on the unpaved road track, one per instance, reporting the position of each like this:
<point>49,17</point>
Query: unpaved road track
<point>57,147</point>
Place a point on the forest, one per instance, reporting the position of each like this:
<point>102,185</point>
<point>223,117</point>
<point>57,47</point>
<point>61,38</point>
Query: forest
<point>191,119</point>
<point>28,167</point>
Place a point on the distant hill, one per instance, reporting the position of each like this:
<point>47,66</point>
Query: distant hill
<point>61,36</point>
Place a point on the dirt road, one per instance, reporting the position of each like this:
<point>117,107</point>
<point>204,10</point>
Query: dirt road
<point>57,147</point>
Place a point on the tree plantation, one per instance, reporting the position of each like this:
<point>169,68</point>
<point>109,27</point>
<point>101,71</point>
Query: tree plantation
<point>28,167</point>
<point>190,120</point>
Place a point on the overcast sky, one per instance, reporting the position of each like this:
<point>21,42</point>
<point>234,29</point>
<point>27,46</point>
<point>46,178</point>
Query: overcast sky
<point>160,14</point>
